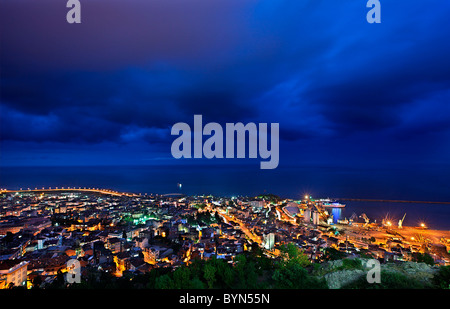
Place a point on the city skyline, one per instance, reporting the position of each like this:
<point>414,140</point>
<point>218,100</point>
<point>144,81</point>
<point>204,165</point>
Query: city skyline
<point>97,239</point>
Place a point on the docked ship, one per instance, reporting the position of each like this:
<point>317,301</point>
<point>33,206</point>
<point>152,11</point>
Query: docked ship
<point>328,203</point>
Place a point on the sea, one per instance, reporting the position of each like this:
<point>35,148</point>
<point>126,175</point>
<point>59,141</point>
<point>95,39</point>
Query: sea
<point>432,184</point>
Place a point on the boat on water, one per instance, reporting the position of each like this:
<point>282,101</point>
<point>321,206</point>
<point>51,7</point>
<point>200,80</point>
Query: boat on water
<point>327,203</point>
<point>333,205</point>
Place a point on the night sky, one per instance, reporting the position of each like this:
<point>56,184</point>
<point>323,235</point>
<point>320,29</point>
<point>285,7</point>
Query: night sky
<point>107,91</point>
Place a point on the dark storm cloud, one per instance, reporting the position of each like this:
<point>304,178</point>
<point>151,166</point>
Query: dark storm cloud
<point>64,127</point>
<point>133,69</point>
<point>115,34</point>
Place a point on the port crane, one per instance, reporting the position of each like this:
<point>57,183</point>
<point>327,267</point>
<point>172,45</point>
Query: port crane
<point>400,222</point>
<point>321,211</point>
<point>353,217</point>
<point>364,216</point>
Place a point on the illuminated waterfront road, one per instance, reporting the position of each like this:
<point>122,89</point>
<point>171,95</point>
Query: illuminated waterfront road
<point>73,189</point>
<point>284,214</point>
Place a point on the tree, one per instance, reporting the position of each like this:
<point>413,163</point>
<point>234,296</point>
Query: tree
<point>423,258</point>
<point>240,268</point>
<point>154,275</point>
<point>293,276</point>
<point>290,272</point>
<point>442,278</point>
<point>59,282</point>
<point>210,275</point>
<point>196,283</point>
<point>291,254</point>
<point>164,282</point>
<point>217,217</point>
<point>251,275</point>
<point>228,276</point>
<point>332,254</point>
<point>181,277</point>
<point>9,236</point>
<point>37,281</point>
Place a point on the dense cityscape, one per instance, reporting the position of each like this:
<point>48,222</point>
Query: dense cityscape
<point>120,236</point>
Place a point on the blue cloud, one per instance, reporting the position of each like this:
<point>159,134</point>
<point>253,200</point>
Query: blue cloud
<point>131,70</point>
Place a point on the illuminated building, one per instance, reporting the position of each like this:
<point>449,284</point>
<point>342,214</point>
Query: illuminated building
<point>269,241</point>
<point>13,273</point>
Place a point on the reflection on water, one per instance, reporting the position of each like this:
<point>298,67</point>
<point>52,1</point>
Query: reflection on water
<point>336,212</point>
